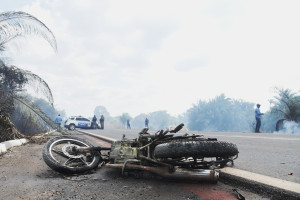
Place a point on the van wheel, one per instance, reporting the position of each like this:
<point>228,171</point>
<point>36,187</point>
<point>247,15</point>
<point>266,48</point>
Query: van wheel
<point>72,127</point>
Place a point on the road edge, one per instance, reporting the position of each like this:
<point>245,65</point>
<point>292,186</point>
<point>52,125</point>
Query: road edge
<point>106,139</point>
<point>5,146</point>
<point>260,188</point>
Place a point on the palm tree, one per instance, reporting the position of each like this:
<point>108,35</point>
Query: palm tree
<point>287,106</point>
<point>12,79</point>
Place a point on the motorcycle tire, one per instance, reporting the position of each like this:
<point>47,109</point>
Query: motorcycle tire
<point>57,155</point>
<point>195,148</point>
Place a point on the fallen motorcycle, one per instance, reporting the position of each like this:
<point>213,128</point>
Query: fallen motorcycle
<point>183,156</point>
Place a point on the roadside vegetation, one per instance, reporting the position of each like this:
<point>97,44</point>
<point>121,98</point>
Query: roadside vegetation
<point>19,112</point>
<point>221,114</point>
<point>285,110</point>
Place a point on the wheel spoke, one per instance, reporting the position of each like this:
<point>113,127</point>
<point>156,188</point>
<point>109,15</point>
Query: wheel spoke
<point>60,153</point>
<point>70,160</point>
<point>84,161</point>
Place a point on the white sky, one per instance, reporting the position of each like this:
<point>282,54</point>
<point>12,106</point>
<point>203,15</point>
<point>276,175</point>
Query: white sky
<point>143,56</point>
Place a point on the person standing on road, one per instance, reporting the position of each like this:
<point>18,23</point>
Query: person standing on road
<point>258,116</point>
<point>94,122</point>
<point>102,122</point>
<point>147,122</point>
<point>128,124</point>
<point>58,121</point>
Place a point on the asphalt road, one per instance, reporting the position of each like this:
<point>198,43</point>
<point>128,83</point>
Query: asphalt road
<point>275,155</point>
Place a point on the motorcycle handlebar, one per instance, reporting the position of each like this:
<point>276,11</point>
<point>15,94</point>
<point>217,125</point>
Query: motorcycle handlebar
<point>175,130</point>
<point>162,132</point>
<point>143,131</point>
<point>178,128</point>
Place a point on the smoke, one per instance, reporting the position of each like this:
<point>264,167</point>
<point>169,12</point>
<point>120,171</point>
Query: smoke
<point>290,127</point>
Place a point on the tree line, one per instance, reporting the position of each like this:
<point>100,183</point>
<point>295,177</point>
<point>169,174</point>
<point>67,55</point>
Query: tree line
<point>219,114</point>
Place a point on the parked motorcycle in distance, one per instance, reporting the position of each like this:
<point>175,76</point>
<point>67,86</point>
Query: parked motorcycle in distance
<point>183,156</point>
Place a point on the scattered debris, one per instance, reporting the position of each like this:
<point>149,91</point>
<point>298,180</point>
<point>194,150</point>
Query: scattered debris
<point>38,139</point>
<point>42,176</point>
<point>44,137</point>
<point>238,195</point>
<point>84,178</point>
<point>101,164</point>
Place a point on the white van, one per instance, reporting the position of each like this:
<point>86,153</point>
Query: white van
<point>77,122</point>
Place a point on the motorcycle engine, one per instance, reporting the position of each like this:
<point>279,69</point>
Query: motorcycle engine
<point>122,151</point>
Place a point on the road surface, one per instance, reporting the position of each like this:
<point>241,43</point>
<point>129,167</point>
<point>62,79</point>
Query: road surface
<point>274,155</point>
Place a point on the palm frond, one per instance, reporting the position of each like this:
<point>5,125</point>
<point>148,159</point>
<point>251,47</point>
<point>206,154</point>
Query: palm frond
<point>287,104</point>
<point>15,24</point>
<point>14,78</point>
<point>39,85</point>
<point>11,77</point>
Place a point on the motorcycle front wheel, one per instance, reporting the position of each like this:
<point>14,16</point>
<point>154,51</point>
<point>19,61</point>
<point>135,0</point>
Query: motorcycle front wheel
<point>58,154</point>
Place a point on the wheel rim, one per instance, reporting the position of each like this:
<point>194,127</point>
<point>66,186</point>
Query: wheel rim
<point>72,127</point>
<point>60,151</point>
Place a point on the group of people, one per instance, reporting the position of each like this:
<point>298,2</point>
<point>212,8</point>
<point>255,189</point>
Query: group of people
<point>94,122</point>
<point>58,120</point>
<point>146,123</point>
<point>94,125</point>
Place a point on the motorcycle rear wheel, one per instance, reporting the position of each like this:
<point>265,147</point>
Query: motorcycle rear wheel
<point>196,149</point>
<point>58,155</point>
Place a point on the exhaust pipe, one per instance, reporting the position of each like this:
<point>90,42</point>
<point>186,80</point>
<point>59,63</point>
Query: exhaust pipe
<point>178,173</point>
<point>194,174</point>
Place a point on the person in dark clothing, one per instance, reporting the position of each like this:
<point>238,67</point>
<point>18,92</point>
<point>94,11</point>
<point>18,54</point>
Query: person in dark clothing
<point>128,124</point>
<point>258,116</point>
<point>94,122</point>
<point>102,122</point>
<point>147,122</point>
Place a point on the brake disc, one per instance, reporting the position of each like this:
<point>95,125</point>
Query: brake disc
<point>68,151</point>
